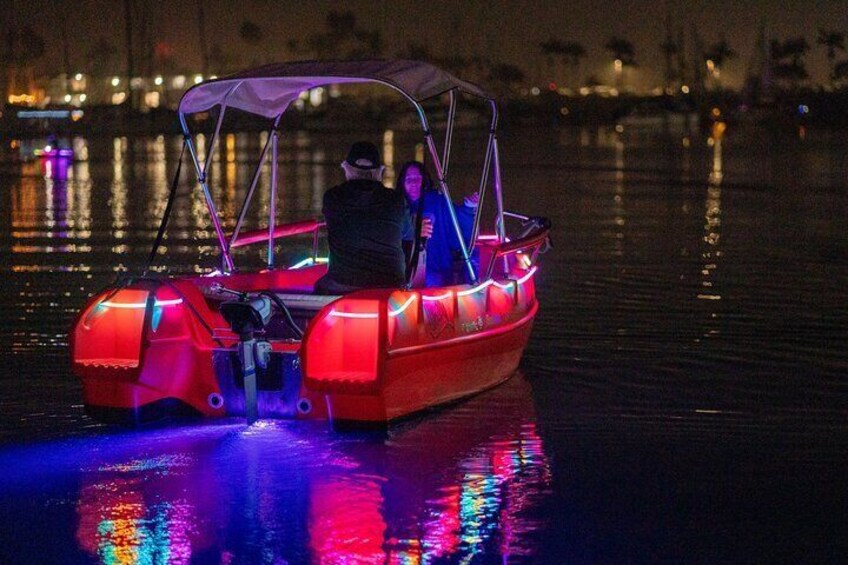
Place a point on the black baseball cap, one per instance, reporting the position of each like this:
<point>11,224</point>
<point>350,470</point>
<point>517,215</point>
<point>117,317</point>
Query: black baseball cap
<point>363,155</point>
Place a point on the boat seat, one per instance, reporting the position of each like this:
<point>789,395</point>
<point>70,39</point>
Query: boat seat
<point>302,307</point>
<point>306,302</point>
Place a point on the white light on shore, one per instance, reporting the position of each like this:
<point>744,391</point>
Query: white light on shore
<point>316,96</point>
<point>116,81</point>
<point>78,76</point>
<point>158,81</point>
<point>198,79</point>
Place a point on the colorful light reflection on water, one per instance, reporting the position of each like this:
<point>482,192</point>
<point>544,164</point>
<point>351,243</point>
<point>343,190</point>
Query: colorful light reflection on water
<point>285,492</point>
<point>680,427</point>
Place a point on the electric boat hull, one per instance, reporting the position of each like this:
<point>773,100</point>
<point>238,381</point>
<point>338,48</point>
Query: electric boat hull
<point>156,348</point>
<point>152,347</point>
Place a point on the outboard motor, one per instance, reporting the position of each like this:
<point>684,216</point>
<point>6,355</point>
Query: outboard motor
<point>246,316</point>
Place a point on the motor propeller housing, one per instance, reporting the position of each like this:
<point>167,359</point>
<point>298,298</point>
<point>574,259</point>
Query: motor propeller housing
<point>247,316</point>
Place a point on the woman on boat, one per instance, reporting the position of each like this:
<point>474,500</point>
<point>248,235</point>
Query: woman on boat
<point>443,252</point>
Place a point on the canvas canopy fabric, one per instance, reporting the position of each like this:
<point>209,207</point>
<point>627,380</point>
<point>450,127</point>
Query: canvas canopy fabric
<point>268,90</point>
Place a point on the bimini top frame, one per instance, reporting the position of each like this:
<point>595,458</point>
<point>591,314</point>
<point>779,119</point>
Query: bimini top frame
<point>268,91</point>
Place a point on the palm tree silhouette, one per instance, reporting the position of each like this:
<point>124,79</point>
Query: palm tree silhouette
<point>716,56</point>
<point>553,51</point>
<point>789,64</point>
<point>834,41</point>
<point>624,55</point>
<point>562,54</point>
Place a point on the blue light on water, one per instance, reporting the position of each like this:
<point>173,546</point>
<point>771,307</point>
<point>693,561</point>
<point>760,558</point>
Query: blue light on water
<point>278,491</point>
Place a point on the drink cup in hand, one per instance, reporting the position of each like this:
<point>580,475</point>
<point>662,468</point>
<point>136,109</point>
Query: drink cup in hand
<point>427,223</point>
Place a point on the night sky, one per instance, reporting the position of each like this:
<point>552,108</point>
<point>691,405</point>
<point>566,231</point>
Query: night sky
<point>508,31</point>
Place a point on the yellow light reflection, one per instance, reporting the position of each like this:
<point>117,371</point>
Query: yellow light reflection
<point>711,254</point>
<point>157,179</point>
<point>618,210</point>
<point>118,202</point>
<point>200,147</point>
<point>389,157</point>
<point>229,195</point>
<point>230,142</point>
<point>319,179</point>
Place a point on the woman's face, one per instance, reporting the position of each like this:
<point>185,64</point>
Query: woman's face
<point>412,183</point>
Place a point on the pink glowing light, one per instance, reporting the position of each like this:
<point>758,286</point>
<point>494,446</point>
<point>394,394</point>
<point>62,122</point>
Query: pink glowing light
<point>477,288</point>
<point>529,274</point>
<point>448,294</point>
<point>374,315</point>
<point>130,305</point>
<point>354,315</point>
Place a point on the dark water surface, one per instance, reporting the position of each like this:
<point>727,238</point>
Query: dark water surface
<point>683,397</point>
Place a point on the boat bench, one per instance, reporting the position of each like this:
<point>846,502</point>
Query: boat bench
<point>302,307</point>
<point>306,302</point>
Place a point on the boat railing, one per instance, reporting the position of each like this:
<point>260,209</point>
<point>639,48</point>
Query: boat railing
<point>312,226</point>
<point>531,243</point>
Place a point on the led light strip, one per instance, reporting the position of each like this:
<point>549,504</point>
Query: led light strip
<point>355,315</point>
<point>405,305</point>
<point>308,261</point>
<point>529,274</point>
<point>477,288</point>
<point>448,294</point>
<point>172,302</point>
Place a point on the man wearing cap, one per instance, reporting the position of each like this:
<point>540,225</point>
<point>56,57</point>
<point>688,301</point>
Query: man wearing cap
<point>365,225</point>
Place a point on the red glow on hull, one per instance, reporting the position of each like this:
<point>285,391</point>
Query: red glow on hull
<point>371,356</point>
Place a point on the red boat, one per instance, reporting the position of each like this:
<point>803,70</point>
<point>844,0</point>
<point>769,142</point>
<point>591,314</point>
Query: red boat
<point>262,344</point>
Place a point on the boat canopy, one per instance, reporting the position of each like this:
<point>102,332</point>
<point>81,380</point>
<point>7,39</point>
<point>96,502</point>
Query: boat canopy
<point>268,90</point>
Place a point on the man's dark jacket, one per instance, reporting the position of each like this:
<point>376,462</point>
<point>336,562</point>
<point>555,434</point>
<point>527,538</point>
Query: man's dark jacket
<point>365,224</point>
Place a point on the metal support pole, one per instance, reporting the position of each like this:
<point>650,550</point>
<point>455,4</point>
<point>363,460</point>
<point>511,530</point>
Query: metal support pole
<point>215,135</point>
<point>484,176</point>
<point>516,215</point>
<point>449,133</point>
<point>446,193</point>
<point>272,205</point>
<point>253,183</point>
<point>484,181</point>
<point>501,227</point>
<point>226,259</point>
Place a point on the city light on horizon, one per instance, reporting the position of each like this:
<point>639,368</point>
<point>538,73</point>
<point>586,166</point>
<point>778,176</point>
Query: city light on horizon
<point>285,34</point>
